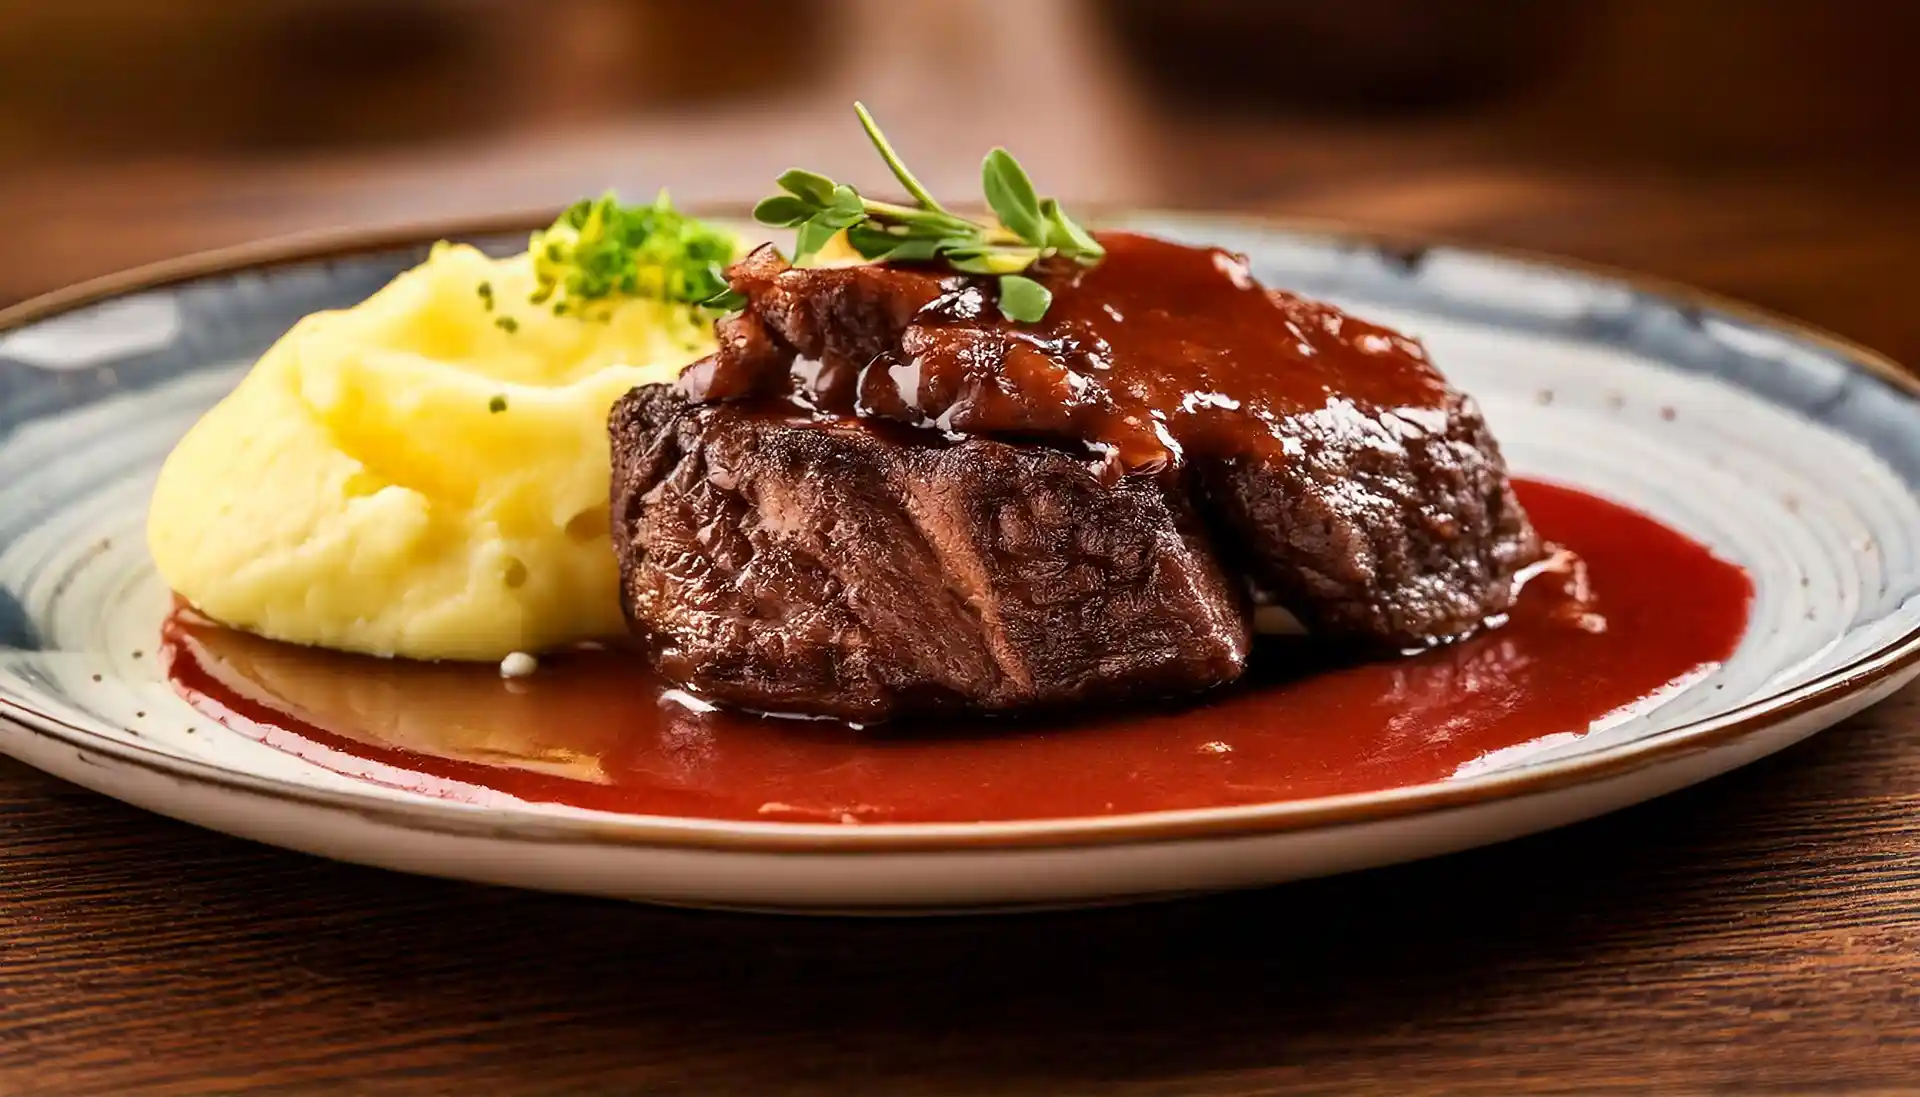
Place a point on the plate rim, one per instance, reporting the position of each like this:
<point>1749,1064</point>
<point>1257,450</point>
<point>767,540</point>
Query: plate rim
<point>515,823</point>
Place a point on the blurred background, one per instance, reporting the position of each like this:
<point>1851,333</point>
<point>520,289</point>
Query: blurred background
<point>1764,148</point>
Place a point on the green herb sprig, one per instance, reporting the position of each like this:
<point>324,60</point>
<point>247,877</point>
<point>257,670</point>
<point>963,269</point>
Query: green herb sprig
<point>599,249</point>
<point>1030,229</point>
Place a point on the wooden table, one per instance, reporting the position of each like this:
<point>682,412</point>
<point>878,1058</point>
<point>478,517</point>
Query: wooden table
<point>1760,932</point>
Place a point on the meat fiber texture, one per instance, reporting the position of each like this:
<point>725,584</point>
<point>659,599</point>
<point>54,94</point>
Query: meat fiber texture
<point>818,567</point>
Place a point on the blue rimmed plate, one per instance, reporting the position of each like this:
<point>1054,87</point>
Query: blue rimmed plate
<point>1785,450</point>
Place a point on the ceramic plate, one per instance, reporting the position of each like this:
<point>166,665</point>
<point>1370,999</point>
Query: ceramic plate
<point>1786,451</point>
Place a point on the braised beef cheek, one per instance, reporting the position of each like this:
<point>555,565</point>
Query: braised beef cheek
<point>1318,460</point>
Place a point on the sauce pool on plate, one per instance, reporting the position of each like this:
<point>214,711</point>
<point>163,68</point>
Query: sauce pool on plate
<point>597,729</point>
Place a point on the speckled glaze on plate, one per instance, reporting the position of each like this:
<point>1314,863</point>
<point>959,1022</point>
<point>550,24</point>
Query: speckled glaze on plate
<point>1783,449</point>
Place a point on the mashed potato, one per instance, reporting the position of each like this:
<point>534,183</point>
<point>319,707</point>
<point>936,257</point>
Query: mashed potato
<point>408,477</point>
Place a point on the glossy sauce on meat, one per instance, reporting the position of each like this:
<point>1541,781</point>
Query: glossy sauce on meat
<point>1159,351</point>
<point>600,730</point>
<point>1333,467</point>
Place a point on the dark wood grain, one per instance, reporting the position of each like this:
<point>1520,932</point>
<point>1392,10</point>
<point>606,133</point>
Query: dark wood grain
<point>1758,933</point>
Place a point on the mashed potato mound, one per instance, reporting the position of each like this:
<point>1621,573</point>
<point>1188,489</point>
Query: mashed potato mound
<point>408,477</point>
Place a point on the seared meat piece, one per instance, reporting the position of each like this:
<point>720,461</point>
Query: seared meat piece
<point>844,567</point>
<point>1396,528</point>
<point>1338,471</point>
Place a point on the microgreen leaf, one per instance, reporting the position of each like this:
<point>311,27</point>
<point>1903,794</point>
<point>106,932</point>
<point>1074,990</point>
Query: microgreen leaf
<point>878,243</point>
<point>882,247</point>
<point>846,203</point>
<point>988,260</point>
<point>1023,300</point>
<point>912,250</point>
<point>782,211</point>
<point>812,236</point>
<point>818,230</point>
<point>1010,193</point>
<point>809,186</point>
<point>872,241</point>
<point>1030,228</point>
<point>1065,235</point>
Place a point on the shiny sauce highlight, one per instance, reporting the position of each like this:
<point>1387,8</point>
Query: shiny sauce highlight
<point>599,730</point>
<point>1161,352</point>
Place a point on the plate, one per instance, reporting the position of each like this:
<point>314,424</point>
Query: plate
<point>1785,450</point>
